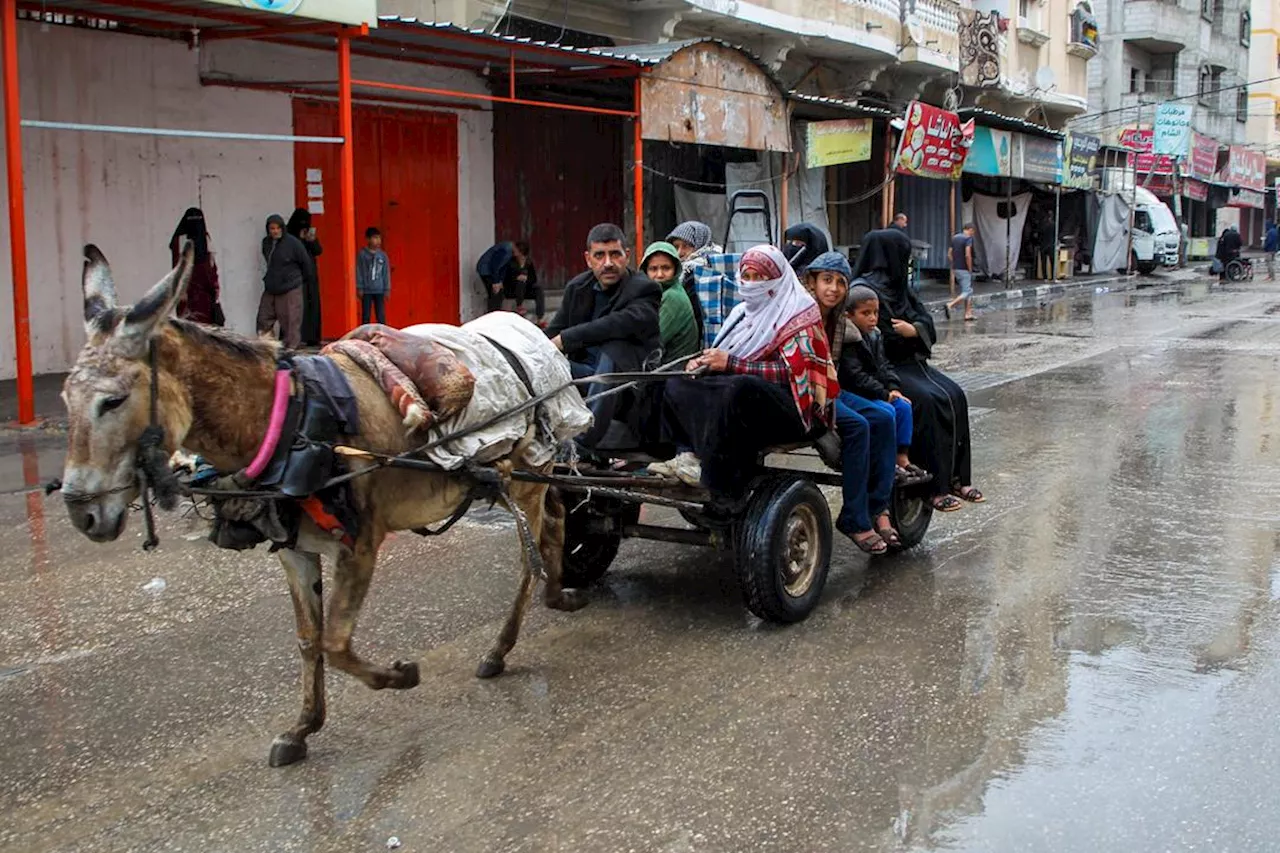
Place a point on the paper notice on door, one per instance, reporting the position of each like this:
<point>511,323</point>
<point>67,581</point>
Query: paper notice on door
<point>315,190</point>
<point>314,176</point>
<point>315,207</point>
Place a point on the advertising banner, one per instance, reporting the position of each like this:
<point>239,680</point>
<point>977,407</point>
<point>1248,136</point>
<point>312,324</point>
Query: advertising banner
<point>829,143</point>
<point>991,153</point>
<point>934,143</point>
<point>1140,140</point>
<point>1081,159</point>
<point>338,11</point>
<point>1173,129</point>
<point>1246,169</point>
<point>1203,162</point>
<point>1041,160</point>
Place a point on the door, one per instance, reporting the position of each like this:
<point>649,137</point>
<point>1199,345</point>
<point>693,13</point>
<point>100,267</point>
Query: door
<point>406,185</point>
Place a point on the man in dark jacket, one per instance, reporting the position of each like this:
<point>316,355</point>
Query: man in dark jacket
<point>607,320</point>
<point>288,268</point>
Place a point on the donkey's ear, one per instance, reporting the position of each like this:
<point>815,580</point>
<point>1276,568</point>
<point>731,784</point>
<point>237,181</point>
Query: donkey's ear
<point>146,316</point>
<point>99,288</point>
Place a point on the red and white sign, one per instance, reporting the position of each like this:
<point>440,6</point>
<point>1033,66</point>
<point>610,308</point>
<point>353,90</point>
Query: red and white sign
<point>1246,169</point>
<point>1140,140</point>
<point>1248,198</point>
<point>934,143</point>
<point>1195,190</point>
<point>1204,157</point>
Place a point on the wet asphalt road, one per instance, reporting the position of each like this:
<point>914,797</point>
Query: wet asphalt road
<point>1089,661</point>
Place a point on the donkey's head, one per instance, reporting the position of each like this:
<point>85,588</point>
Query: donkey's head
<point>108,395</point>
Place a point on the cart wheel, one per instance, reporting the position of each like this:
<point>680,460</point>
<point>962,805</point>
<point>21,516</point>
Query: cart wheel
<point>784,549</point>
<point>910,513</point>
<point>592,536</point>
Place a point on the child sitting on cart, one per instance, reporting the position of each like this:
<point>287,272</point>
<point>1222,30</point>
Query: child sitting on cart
<point>865,426</point>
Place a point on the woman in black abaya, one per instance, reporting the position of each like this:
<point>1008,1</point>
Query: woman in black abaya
<point>941,411</point>
<point>300,227</point>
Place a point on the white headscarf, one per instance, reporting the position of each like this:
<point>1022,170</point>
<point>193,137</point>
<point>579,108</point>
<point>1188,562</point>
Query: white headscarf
<point>767,307</point>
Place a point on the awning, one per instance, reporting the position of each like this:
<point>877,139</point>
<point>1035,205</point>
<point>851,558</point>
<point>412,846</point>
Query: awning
<point>997,121</point>
<point>710,93</point>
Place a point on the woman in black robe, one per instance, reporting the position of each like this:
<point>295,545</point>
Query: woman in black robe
<point>941,439</point>
<point>300,227</point>
<point>803,242</point>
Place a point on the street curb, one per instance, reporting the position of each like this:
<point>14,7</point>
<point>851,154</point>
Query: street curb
<point>1059,288</point>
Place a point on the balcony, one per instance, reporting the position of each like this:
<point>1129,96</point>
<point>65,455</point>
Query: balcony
<point>844,29</point>
<point>1157,26</point>
<point>931,35</point>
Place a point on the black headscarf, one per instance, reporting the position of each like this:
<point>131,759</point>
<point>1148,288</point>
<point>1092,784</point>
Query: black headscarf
<point>193,227</point>
<point>815,243</point>
<point>299,222</point>
<point>883,264</point>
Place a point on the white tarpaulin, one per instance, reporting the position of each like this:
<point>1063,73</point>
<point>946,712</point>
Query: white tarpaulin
<point>994,231</point>
<point>499,389</point>
<point>1112,241</point>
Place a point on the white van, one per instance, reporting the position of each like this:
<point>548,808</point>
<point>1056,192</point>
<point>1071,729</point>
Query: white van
<point>1156,238</point>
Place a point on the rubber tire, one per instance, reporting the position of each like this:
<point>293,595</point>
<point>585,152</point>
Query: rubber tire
<point>1146,267</point>
<point>1237,268</point>
<point>761,542</point>
<point>588,554</point>
<point>910,513</point>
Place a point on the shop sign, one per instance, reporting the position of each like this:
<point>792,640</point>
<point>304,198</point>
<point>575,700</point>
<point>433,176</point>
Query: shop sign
<point>1081,158</point>
<point>934,143</point>
<point>1247,198</point>
<point>1173,129</point>
<point>991,153</point>
<point>1041,160</point>
<point>1246,169</point>
<point>1140,140</point>
<point>338,11</point>
<point>1204,157</point>
<point>829,143</point>
<point>1195,190</point>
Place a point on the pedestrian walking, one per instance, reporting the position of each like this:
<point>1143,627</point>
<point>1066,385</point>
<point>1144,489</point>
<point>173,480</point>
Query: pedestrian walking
<point>373,277</point>
<point>202,302</point>
<point>287,270</point>
<point>1270,245</point>
<point>300,226</point>
<point>961,256</point>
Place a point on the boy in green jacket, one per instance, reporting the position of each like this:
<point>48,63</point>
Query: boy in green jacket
<point>676,324</point>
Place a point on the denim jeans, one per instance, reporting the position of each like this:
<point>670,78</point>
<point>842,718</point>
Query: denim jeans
<point>879,459</point>
<point>855,436</point>
<point>903,423</point>
<point>601,409</point>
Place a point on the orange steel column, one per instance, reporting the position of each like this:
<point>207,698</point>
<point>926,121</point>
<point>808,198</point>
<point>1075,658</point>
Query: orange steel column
<point>347,183</point>
<point>17,214</point>
<point>638,173</point>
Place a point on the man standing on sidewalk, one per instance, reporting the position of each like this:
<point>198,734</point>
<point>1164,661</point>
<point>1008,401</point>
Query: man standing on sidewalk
<point>961,256</point>
<point>1270,245</point>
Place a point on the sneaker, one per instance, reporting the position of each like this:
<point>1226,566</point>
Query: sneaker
<point>662,469</point>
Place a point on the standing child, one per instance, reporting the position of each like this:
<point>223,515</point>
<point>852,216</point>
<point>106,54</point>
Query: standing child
<point>865,371</point>
<point>373,277</point>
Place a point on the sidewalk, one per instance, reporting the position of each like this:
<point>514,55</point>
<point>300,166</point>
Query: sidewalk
<point>993,294</point>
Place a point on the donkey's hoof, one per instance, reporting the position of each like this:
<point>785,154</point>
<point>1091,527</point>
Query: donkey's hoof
<point>490,667</point>
<point>407,675</point>
<point>568,601</point>
<point>286,750</point>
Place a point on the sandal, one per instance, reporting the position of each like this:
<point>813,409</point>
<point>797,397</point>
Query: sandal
<point>969,493</point>
<point>945,503</point>
<point>890,536</point>
<point>873,544</point>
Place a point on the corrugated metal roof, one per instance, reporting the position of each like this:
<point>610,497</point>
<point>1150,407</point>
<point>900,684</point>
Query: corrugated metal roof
<point>493,46</point>
<point>850,108</point>
<point>655,54</point>
<point>998,121</point>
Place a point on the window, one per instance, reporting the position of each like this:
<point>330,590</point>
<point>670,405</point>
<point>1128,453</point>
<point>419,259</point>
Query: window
<point>1135,80</point>
<point>1219,16</point>
<point>1142,222</point>
<point>1164,71</point>
<point>1246,28</point>
<point>1205,85</point>
<point>1242,104</point>
<point>1206,10</point>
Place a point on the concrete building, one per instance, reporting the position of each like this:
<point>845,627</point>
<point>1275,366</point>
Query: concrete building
<point>1153,50</point>
<point>1264,98</point>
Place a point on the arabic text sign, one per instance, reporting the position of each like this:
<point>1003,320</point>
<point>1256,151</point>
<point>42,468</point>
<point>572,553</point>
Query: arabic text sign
<point>1081,160</point>
<point>934,143</point>
<point>829,143</point>
<point>339,11</point>
<point>1204,157</point>
<point>1139,140</point>
<point>1173,129</point>
<point>991,153</point>
<point>1245,168</point>
<point>1041,160</point>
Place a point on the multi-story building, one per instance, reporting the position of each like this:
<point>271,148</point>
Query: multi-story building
<point>1153,50</point>
<point>1264,97</point>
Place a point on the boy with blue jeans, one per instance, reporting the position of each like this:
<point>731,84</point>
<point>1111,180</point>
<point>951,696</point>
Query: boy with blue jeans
<point>865,371</point>
<point>961,256</point>
<point>373,277</point>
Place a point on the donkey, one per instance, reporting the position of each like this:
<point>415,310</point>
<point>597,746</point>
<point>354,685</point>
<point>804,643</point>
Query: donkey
<point>214,397</point>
